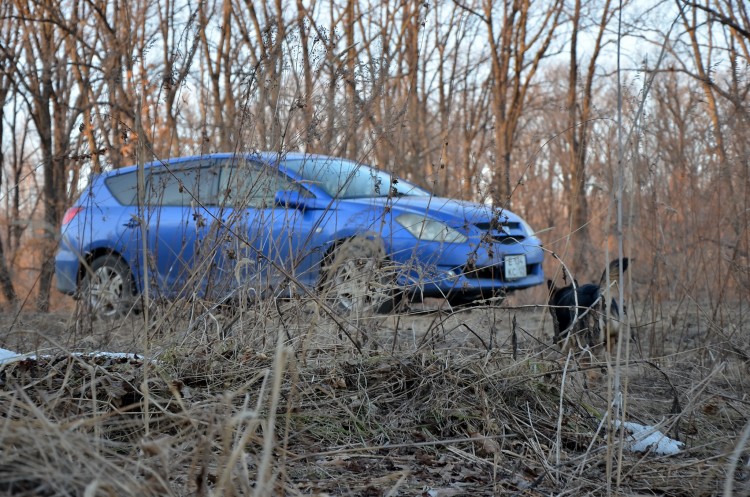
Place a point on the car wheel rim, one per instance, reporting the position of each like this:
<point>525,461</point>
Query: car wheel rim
<point>357,287</point>
<point>105,292</point>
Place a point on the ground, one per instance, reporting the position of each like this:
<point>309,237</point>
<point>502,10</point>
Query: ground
<point>474,402</point>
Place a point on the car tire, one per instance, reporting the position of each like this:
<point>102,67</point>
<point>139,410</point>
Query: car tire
<point>107,289</point>
<point>358,280</point>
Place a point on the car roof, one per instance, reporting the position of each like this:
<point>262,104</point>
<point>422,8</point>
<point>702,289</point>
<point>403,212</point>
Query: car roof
<point>267,157</point>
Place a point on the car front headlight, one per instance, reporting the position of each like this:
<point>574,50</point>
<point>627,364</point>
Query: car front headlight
<point>427,229</point>
<point>526,228</point>
<point>529,230</point>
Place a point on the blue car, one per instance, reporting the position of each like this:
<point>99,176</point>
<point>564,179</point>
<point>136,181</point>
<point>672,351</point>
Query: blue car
<point>264,224</point>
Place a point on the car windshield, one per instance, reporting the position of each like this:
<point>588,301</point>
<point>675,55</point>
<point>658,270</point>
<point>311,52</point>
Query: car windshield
<point>345,179</point>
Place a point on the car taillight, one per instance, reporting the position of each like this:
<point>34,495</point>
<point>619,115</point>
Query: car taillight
<point>70,214</point>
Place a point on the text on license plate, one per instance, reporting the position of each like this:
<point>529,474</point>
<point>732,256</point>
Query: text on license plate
<point>515,267</point>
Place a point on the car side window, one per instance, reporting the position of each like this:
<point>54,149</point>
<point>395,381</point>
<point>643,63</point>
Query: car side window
<point>183,186</point>
<point>246,183</point>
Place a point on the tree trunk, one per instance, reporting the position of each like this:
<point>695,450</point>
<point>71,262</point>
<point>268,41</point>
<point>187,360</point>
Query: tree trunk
<point>6,60</point>
<point>306,94</point>
<point>579,238</point>
<point>579,104</point>
<point>515,58</point>
<point>5,280</point>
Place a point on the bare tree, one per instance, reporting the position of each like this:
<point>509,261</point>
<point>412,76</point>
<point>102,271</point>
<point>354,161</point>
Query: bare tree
<point>269,30</point>
<point>216,63</point>
<point>15,159</point>
<point>306,99</point>
<point>47,86</point>
<point>122,40</point>
<point>179,45</point>
<point>579,104</point>
<point>728,199</point>
<point>9,35</point>
<point>517,47</point>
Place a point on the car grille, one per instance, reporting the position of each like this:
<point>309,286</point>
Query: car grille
<point>506,233</point>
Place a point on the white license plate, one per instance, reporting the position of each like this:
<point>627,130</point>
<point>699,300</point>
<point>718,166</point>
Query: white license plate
<point>515,267</point>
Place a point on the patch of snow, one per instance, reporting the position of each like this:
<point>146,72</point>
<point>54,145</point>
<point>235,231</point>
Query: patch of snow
<point>113,355</point>
<point>7,356</point>
<point>648,439</point>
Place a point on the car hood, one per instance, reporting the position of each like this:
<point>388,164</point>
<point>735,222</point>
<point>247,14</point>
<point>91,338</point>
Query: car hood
<point>453,212</point>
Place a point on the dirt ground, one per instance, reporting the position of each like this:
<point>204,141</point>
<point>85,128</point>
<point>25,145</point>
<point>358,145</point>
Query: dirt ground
<point>425,329</point>
<point>657,330</point>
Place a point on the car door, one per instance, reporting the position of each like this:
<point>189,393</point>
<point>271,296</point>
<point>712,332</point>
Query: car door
<point>270,244</point>
<point>181,199</point>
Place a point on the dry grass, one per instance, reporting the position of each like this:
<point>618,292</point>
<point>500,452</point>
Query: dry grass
<point>280,399</point>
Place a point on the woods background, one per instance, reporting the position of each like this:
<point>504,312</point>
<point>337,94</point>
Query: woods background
<point>507,101</point>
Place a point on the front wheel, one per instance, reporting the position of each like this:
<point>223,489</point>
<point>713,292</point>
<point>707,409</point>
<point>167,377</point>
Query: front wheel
<point>107,289</point>
<point>358,279</point>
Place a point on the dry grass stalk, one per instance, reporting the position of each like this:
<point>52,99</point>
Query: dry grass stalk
<point>309,413</point>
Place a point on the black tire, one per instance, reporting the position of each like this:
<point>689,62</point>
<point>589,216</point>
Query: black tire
<point>358,280</point>
<point>107,289</point>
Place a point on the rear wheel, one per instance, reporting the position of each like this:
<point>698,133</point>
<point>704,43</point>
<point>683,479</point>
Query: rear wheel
<point>358,279</point>
<point>107,290</point>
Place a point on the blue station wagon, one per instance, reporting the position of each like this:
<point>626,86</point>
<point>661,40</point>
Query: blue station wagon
<point>264,224</point>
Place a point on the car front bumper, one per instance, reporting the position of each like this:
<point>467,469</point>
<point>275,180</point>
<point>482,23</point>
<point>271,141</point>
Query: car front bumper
<point>431,270</point>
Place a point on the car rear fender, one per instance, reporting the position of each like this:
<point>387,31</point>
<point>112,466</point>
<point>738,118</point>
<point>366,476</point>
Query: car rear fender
<point>94,254</point>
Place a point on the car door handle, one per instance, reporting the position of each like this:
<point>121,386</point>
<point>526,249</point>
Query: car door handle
<point>133,223</point>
